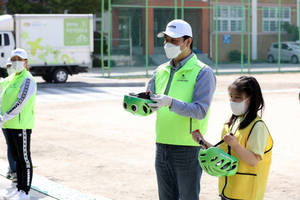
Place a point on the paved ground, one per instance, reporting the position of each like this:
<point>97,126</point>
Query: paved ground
<point>98,149</point>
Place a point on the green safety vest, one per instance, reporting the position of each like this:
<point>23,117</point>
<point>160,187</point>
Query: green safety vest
<point>25,119</point>
<point>172,128</point>
<point>248,183</point>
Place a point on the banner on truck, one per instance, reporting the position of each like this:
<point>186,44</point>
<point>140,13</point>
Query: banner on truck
<point>77,32</point>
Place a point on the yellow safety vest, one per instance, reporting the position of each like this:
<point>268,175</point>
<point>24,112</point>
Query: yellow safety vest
<point>249,183</point>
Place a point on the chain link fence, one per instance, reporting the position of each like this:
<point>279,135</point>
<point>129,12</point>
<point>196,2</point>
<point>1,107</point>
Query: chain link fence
<point>236,36</point>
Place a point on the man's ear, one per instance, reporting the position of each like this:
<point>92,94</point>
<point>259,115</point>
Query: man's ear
<point>189,41</point>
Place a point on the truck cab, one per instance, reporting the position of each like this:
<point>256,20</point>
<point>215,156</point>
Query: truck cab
<point>7,43</point>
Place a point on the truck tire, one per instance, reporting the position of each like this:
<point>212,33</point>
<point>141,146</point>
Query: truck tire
<point>47,78</point>
<point>60,75</point>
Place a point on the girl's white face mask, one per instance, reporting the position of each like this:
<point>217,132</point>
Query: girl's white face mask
<point>18,66</point>
<point>172,51</point>
<point>239,108</point>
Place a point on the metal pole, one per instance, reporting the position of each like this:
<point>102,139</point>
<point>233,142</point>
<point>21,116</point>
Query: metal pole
<point>279,34</point>
<point>175,9</point>
<point>102,38</point>
<point>254,29</point>
<point>109,25</point>
<point>242,36</point>
<point>298,24</point>
<point>249,37</point>
<point>146,37</point>
<point>217,35</point>
<point>182,9</point>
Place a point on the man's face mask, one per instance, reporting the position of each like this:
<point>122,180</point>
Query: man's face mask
<point>172,51</point>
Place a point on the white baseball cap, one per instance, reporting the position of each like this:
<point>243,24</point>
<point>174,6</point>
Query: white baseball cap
<point>177,28</point>
<point>8,61</point>
<point>19,52</point>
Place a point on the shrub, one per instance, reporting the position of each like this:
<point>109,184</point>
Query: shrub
<point>235,55</point>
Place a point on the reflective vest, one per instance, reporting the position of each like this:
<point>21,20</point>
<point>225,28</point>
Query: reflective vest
<point>25,119</point>
<point>172,128</point>
<point>249,183</point>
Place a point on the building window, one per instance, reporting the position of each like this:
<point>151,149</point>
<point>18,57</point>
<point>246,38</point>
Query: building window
<point>228,18</point>
<point>272,15</point>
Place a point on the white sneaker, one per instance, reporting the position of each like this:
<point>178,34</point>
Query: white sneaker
<point>8,174</point>
<point>13,177</point>
<point>11,195</point>
<point>21,195</point>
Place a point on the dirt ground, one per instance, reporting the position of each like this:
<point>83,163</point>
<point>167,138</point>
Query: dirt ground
<point>98,148</point>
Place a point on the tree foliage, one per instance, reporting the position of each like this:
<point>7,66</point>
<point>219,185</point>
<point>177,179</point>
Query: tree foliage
<point>292,30</point>
<point>23,6</point>
<point>75,6</point>
<point>55,6</point>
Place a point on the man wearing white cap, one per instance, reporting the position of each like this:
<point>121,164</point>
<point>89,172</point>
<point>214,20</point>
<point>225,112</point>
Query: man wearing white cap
<point>182,89</point>
<point>17,117</point>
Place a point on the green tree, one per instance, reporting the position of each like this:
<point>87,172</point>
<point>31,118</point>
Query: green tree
<point>292,30</point>
<point>75,6</point>
<point>27,6</point>
<point>55,6</point>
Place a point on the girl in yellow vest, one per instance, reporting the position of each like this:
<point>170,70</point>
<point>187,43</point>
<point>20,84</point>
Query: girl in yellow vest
<point>17,117</point>
<point>247,138</point>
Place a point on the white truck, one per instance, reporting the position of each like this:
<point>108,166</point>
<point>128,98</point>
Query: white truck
<point>57,45</point>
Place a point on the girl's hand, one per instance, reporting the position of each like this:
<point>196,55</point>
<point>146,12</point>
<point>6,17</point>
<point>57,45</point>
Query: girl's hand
<point>196,134</point>
<point>198,137</point>
<point>230,139</point>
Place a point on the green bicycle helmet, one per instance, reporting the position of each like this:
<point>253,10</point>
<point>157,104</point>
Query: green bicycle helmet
<point>137,104</point>
<point>217,162</point>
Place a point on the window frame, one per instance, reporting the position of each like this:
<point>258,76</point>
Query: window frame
<point>229,18</point>
<point>271,18</point>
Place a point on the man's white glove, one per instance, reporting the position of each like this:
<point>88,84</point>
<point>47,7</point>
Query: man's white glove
<point>161,100</point>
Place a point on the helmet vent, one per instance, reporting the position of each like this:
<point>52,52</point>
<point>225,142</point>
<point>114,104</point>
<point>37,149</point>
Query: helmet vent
<point>144,109</point>
<point>125,105</point>
<point>232,168</point>
<point>134,108</point>
<point>219,162</point>
<point>214,158</point>
<point>225,166</point>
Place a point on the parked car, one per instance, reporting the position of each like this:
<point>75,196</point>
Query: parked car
<point>289,51</point>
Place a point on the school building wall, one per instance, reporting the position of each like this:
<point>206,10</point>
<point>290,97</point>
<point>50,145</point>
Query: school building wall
<point>264,39</point>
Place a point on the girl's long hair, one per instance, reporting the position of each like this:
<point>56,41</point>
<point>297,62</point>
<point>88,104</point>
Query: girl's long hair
<point>249,86</point>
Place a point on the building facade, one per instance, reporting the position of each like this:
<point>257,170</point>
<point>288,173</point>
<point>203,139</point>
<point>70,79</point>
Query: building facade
<point>249,26</point>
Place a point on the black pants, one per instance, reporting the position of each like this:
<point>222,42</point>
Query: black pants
<point>19,142</point>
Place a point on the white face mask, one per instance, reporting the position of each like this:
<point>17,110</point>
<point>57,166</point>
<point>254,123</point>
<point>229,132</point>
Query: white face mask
<point>172,51</point>
<point>18,66</point>
<point>10,71</point>
<point>239,108</point>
